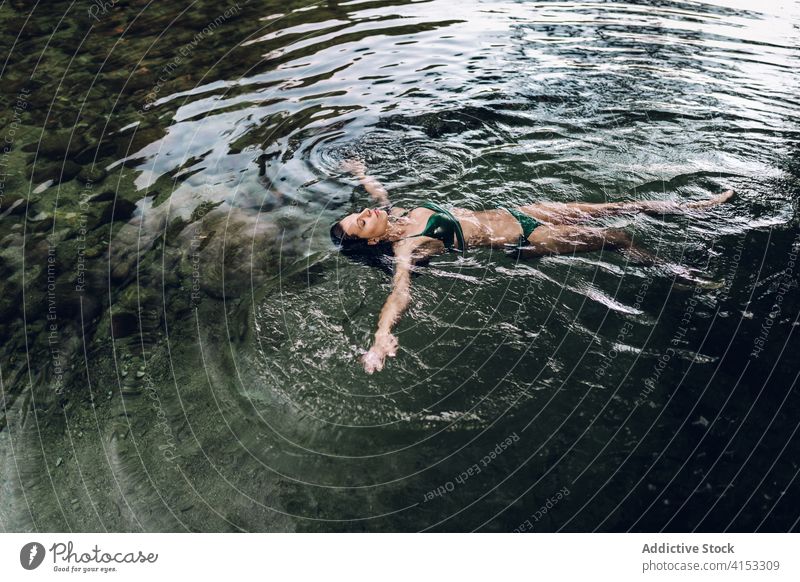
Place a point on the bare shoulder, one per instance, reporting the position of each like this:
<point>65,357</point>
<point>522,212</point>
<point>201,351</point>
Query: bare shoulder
<point>418,214</point>
<point>417,219</point>
<point>419,211</point>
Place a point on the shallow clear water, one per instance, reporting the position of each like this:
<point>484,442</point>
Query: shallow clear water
<point>202,373</point>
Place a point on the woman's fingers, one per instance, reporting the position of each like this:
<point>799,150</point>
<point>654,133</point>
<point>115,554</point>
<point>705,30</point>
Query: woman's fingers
<point>354,166</point>
<point>391,346</point>
<point>373,361</point>
<point>387,343</point>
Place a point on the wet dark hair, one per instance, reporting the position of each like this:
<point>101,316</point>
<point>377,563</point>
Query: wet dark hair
<point>338,235</point>
<point>357,249</point>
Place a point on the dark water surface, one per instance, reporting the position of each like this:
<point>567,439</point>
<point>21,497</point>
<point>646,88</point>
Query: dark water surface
<point>180,340</point>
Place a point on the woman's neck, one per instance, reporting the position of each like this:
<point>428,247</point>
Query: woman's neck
<point>396,228</point>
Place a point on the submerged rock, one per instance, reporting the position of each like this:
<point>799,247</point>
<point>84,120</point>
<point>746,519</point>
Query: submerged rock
<point>57,145</point>
<point>130,143</point>
<point>217,252</point>
<point>103,196</point>
<point>14,203</point>
<point>121,209</point>
<point>92,174</point>
<point>58,172</point>
<point>124,324</point>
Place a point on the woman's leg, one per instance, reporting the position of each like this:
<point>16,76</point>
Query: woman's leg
<point>573,212</point>
<point>561,239</point>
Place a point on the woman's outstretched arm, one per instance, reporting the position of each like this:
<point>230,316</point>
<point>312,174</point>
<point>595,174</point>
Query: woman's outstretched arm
<point>371,185</point>
<point>385,343</point>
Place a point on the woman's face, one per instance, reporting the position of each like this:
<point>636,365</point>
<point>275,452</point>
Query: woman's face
<point>368,224</point>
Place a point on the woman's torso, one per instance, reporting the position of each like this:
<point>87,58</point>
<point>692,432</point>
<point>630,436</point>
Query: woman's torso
<point>492,228</point>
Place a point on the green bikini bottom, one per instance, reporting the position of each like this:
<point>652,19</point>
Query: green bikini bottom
<point>528,224</point>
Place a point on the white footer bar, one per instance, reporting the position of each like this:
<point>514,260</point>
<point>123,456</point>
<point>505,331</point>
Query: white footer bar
<point>401,557</point>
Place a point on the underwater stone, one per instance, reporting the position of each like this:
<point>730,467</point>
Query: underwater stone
<point>92,252</point>
<point>57,145</point>
<point>120,210</point>
<point>124,324</point>
<point>71,303</point>
<point>103,196</point>
<point>92,175</point>
<point>14,202</point>
<point>129,144</point>
<point>96,152</point>
<point>202,209</point>
<point>9,304</point>
<point>68,171</point>
<point>175,228</point>
<point>141,79</point>
<point>41,223</point>
<point>56,171</point>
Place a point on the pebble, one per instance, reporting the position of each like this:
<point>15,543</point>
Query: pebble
<point>103,196</point>
<point>91,175</point>
<point>14,203</point>
<point>121,209</point>
<point>57,145</point>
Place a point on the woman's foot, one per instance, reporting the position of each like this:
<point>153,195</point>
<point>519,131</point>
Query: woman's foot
<point>696,282</point>
<point>688,277</point>
<point>718,199</point>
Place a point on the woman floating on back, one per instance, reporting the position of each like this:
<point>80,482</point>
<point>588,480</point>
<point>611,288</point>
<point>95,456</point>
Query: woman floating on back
<point>533,230</point>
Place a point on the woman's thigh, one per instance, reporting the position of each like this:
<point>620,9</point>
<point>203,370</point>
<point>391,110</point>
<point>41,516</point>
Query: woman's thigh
<point>560,212</point>
<point>558,239</point>
<point>576,212</point>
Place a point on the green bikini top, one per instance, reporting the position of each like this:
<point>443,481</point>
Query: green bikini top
<point>442,225</point>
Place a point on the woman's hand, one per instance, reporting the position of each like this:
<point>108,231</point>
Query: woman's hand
<point>385,345</point>
<point>355,167</point>
<point>371,185</point>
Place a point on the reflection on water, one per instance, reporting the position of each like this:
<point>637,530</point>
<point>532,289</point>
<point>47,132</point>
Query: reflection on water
<point>199,370</point>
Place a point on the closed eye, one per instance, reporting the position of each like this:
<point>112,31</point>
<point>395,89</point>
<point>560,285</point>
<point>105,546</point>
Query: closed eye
<point>361,222</point>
